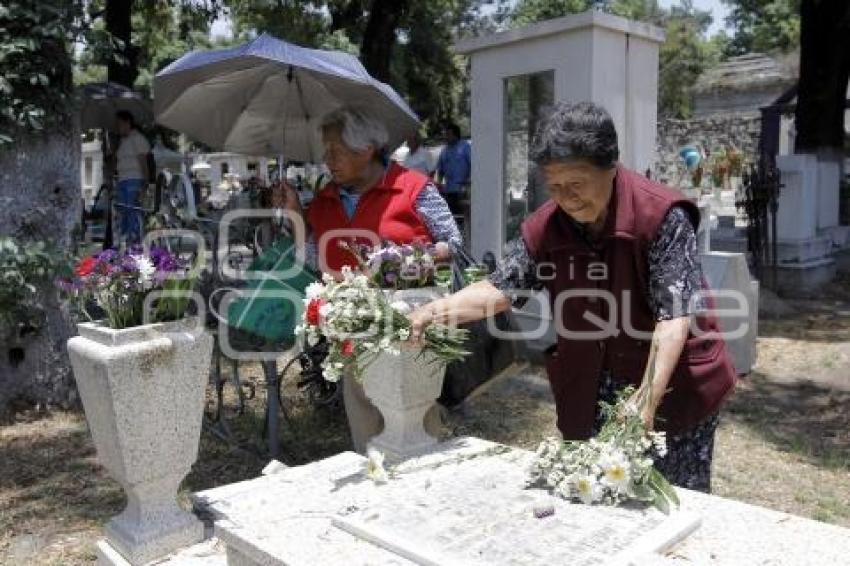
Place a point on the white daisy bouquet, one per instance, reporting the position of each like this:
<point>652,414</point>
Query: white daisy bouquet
<point>616,465</point>
<point>360,324</point>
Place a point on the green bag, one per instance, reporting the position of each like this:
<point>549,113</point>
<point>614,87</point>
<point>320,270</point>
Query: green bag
<point>271,303</point>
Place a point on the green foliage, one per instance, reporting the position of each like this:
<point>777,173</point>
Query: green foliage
<point>532,11</point>
<point>763,25</point>
<point>683,57</point>
<point>429,73</point>
<point>35,69</point>
<point>24,267</point>
<point>163,30</point>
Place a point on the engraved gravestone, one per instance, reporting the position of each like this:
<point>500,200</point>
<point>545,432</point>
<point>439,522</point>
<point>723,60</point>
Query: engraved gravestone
<point>465,504</point>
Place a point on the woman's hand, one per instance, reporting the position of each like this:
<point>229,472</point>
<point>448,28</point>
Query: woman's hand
<point>285,197</point>
<point>647,411</point>
<point>442,251</point>
<point>419,321</point>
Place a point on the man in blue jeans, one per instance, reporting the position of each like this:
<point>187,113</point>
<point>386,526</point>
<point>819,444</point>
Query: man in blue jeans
<point>454,168</point>
<point>132,176</point>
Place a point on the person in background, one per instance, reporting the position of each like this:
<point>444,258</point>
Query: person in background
<point>417,157</point>
<point>454,168</point>
<point>368,192</point>
<point>132,165</point>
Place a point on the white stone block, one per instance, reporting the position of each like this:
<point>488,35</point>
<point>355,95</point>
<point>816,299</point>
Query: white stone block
<point>797,216</point>
<point>142,389</point>
<point>829,177</point>
<point>727,272</point>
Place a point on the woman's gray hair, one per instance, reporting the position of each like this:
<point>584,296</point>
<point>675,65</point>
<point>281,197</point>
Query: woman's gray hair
<point>357,128</point>
<point>581,130</point>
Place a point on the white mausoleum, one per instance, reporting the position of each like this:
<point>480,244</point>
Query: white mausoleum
<point>592,56</point>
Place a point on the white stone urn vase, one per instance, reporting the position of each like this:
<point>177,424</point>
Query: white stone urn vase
<point>143,393</point>
<point>403,387</point>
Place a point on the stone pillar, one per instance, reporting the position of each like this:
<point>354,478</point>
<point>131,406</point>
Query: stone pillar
<point>828,191</point>
<point>797,217</point>
<point>807,215</point>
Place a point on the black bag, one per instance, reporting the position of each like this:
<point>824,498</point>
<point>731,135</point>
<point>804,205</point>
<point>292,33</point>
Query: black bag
<point>489,355</point>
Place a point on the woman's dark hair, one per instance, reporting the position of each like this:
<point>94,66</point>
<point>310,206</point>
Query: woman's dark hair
<point>580,130</point>
<point>453,128</point>
<point>126,117</point>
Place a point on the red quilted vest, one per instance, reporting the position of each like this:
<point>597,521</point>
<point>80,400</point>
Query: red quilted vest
<point>618,273</point>
<point>387,210</point>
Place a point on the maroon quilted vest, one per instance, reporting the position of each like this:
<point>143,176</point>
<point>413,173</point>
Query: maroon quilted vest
<point>617,272</point>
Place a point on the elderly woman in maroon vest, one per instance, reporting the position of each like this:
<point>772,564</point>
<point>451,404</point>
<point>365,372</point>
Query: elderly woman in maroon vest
<point>368,194</point>
<point>618,255</point>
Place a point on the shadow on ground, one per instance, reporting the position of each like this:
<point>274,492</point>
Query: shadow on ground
<point>56,478</point>
<point>802,418</point>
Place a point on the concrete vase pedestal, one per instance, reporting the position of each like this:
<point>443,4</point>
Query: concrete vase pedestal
<point>403,388</point>
<point>143,393</point>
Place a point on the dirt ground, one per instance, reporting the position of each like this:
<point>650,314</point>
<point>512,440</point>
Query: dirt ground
<point>783,442</point>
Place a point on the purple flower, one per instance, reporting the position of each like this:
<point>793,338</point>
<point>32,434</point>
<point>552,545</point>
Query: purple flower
<point>107,255</point>
<point>390,277</point>
<point>164,260</point>
<point>128,264</point>
<point>391,255</point>
<point>375,262</point>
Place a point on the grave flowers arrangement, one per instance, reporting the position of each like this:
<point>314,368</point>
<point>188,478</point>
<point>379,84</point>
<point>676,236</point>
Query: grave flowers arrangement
<point>410,266</point>
<point>394,266</point>
<point>360,324</point>
<point>616,465</point>
<point>118,282</point>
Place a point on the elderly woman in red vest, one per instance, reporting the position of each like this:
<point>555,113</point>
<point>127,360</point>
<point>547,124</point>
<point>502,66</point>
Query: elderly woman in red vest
<point>618,255</point>
<point>369,195</point>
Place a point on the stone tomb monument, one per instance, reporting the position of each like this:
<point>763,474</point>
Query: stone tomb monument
<point>464,504</point>
<point>516,74</point>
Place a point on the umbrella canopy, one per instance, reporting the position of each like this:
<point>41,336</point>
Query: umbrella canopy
<point>267,97</point>
<point>100,102</point>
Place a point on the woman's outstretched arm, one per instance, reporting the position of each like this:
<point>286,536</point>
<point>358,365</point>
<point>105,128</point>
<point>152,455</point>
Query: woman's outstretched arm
<point>479,300</point>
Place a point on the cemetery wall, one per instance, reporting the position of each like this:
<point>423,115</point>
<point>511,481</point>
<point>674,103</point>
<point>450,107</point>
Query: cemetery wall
<point>714,133</point>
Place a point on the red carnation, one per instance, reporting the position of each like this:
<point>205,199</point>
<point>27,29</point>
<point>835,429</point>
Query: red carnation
<point>313,311</point>
<point>85,266</point>
<point>347,348</point>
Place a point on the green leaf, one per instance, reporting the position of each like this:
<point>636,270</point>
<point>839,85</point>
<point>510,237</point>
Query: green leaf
<point>661,482</point>
<point>660,503</point>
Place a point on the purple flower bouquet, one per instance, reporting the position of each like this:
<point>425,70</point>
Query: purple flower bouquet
<point>119,282</point>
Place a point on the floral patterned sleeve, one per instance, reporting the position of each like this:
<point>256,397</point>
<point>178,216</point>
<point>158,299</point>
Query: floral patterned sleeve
<point>675,274</point>
<point>516,271</point>
<point>435,213</point>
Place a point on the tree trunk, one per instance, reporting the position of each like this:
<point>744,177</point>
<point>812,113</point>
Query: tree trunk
<point>379,37</point>
<point>123,70</point>
<point>824,72</point>
<point>40,199</point>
